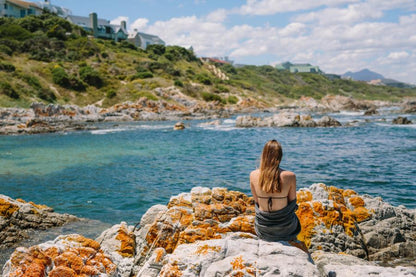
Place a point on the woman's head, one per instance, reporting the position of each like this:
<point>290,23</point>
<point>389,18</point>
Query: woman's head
<point>269,166</point>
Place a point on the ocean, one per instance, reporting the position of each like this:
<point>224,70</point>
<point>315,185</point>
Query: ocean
<point>117,172</point>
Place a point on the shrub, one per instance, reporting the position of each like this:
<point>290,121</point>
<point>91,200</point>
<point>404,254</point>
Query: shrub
<point>221,88</point>
<point>203,79</point>
<point>228,68</point>
<point>232,99</point>
<point>156,49</point>
<point>90,76</point>
<point>76,84</point>
<point>47,95</point>
<point>7,89</point>
<point>32,81</point>
<point>211,97</point>
<point>60,77</point>
<point>13,31</point>
<point>31,23</point>
<point>127,44</point>
<point>178,83</point>
<point>57,31</point>
<point>142,75</point>
<point>8,67</point>
<point>177,53</point>
<point>111,94</point>
<point>9,46</point>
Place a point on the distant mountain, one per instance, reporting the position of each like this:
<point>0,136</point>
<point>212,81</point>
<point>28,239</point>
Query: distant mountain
<point>368,75</point>
<point>363,75</point>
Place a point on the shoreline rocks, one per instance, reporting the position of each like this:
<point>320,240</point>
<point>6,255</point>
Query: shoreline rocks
<point>19,218</point>
<point>210,232</point>
<point>285,119</point>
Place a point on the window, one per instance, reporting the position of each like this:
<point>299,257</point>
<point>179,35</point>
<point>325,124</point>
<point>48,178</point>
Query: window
<point>22,13</point>
<point>5,6</point>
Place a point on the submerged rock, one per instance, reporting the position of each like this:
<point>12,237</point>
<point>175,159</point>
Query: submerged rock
<point>179,126</point>
<point>401,120</point>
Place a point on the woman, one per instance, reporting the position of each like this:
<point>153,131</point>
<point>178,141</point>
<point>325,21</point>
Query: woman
<point>274,191</point>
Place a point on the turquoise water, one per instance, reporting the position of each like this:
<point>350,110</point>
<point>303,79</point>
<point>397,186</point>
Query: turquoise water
<point>116,173</point>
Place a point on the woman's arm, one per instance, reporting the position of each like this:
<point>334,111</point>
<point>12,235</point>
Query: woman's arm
<point>292,189</point>
<point>253,189</point>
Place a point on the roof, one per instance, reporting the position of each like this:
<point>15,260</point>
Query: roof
<point>85,21</point>
<point>145,36</point>
<point>23,4</point>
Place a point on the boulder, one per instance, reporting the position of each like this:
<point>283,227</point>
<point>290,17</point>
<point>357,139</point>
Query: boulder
<point>327,121</point>
<point>285,119</point>
<point>401,120</point>
<point>19,218</point>
<point>179,126</point>
<point>70,255</point>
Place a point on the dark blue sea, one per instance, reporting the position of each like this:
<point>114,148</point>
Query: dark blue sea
<point>117,172</point>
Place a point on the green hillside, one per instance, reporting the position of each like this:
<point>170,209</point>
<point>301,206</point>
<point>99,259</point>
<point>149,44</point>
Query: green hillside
<point>47,59</point>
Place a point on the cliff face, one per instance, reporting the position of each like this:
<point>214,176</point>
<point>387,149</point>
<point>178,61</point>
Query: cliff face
<point>209,232</point>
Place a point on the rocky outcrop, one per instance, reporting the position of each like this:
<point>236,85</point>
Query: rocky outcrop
<point>210,232</point>
<point>336,103</point>
<point>401,120</point>
<point>409,106</point>
<point>18,218</point>
<point>285,119</point>
<point>70,255</point>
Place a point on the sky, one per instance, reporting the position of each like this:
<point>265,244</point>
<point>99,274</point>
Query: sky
<point>336,35</point>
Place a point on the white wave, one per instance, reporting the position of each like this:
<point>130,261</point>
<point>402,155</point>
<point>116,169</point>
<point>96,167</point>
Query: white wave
<point>412,126</point>
<point>350,113</point>
<point>229,121</point>
<point>156,127</point>
<point>218,127</point>
<point>108,131</point>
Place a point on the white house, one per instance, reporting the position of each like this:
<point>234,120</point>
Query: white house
<point>143,40</point>
<point>18,8</point>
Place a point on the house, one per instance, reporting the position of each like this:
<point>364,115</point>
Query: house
<point>18,8</point>
<point>295,68</point>
<point>100,28</point>
<point>143,40</point>
<point>60,11</point>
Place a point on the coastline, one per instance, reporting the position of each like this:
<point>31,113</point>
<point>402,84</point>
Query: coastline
<point>346,233</point>
<point>42,118</point>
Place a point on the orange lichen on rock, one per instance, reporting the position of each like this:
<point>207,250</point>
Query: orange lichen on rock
<point>204,249</point>
<point>171,271</point>
<point>202,215</point>
<point>7,209</point>
<point>237,263</point>
<point>160,252</point>
<point>83,241</point>
<point>336,212</point>
<point>65,258</point>
<point>128,242</point>
<point>303,196</point>
<point>241,268</point>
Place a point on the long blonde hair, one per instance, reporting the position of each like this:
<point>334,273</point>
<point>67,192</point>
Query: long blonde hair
<point>269,167</point>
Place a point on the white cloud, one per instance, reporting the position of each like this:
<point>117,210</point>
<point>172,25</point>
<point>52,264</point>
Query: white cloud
<point>139,24</point>
<point>217,15</point>
<point>398,55</point>
<point>269,7</point>
<point>117,21</point>
<point>336,38</point>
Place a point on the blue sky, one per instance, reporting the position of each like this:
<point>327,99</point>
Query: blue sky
<point>336,35</point>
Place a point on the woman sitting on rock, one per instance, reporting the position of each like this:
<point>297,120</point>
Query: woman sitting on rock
<point>274,191</point>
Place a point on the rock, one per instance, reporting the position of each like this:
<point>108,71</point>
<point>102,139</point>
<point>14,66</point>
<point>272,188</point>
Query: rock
<point>371,111</point>
<point>409,106</point>
<point>327,121</point>
<point>18,218</point>
<point>347,265</point>
<point>237,255</point>
<point>119,244</point>
<point>401,120</point>
<point>179,126</point>
<point>340,103</point>
<point>285,119</point>
<point>70,255</point>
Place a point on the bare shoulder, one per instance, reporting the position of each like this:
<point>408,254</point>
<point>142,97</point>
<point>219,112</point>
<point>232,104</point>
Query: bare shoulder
<point>255,173</point>
<point>287,174</point>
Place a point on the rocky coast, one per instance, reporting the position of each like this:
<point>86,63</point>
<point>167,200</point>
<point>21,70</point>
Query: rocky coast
<point>176,106</point>
<point>210,232</point>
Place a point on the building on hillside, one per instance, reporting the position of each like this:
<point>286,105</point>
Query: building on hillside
<point>60,11</point>
<point>222,60</point>
<point>295,68</point>
<point>18,8</point>
<point>143,40</point>
<point>100,28</point>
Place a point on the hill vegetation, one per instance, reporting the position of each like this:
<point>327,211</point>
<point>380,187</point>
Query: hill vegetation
<point>45,58</point>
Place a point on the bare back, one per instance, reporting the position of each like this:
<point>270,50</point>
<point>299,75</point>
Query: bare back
<point>274,201</point>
